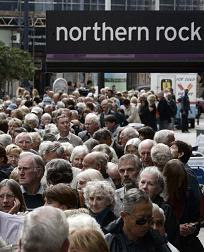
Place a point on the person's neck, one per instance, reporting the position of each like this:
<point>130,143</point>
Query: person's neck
<point>32,189</point>
<point>63,134</point>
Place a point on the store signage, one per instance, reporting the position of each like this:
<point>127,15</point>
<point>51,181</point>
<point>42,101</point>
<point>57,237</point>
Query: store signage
<point>127,32</point>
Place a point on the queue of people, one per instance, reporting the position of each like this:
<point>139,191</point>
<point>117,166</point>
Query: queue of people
<point>95,174</point>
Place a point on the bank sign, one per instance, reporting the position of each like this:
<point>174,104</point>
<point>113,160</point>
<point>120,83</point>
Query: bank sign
<point>127,32</point>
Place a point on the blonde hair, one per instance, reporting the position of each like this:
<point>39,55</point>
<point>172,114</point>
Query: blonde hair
<point>89,240</point>
<point>13,148</point>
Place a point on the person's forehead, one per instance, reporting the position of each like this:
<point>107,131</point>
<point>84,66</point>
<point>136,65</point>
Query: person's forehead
<point>142,207</point>
<point>126,164</point>
<point>24,138</point>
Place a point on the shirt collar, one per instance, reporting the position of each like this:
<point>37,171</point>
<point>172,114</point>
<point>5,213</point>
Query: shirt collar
<point>68,137</point>
<point>40,191</point>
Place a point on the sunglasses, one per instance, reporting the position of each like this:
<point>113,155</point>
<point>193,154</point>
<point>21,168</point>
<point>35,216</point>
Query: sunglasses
<point>143,221</point>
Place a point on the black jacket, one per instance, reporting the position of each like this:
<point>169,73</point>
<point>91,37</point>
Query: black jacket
<point>118,241</point>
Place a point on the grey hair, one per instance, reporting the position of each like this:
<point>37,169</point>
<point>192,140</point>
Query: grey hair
<point>46,115</point>
<point>5,139</point>
<point>160,154</point>
<point>132,197</point>
<point>105,149</point>
<point>93,117</point>
<point>37,160</point>
<point>146,141</point>
<point>22,134</point>
<point>49,146</point>
<point>156,208</point>
<point>89,175</point>
<point>162,136</point>
<point>153,170</point>
<point>39,232</point>
<point>31,117</point>
<point>83,221</point>
<point>131,158</point>
<point>133,141</point>
<point>130,132</point>
<point>103,188</point>
<point>79,150</point>
<point>16,121</point>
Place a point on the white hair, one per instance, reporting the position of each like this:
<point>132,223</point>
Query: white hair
<point>39,232</point>
<point>93,117</point>
<point>79,150</point>
<point>5,139</point>
<point>90,175</point>
<point>162,136</point>
<point>156,208</point>
<point>160,154</point>
<point>83,221</point>
<point>133,141</point>
<point>31,117</point>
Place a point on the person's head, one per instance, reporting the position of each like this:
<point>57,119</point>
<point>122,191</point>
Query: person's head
<point>131,146</point>
<point>24,141</point>
<point>82,221</point>
<point>30,169</point>
<point>46,119</point>
<point>160,154</point>
<point>158,219</point>
<point>129,166</point>
<point>164,136</point>
<point>126,103</point>
<point>77,156</point>
<point>13,153</point>
<point>63,124</point>
<point>91,123</point>
<point>51,150</point>
<point>103,136</point>
<point>13,124</point>
<point>96,160</point>
<point>88,240</point>
<point>136,214</point>
<point>114,174</point>
<point>110,122</point>
<point>5,139</point>
<point>146,132</point>
<point>99,196</point>
<point>87,175</point>
<point>90,144</point>
<point>181,150</point>
<point>58,171</point>
<point>126,134</point>
<point>176,180</point>
<point>31,120</point>
<point>10,193</point>
<point>61,196</point>
<point>105,149</point>
<point>36,140</point>
<point>151,181</point>
<point>144,149</point>
<point>105,105</point>
<point>68,148</point>
<point>40,234</point>
<point>3,157</point>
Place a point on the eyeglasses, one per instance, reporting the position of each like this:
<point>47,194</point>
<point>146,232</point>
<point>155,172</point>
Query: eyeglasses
<point>142,221</point>
<point>8,196</point>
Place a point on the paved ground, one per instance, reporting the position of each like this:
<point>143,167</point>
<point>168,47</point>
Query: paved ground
<point>191,139</point>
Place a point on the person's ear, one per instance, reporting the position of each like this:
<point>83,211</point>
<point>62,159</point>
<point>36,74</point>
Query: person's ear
<point>180,154</point>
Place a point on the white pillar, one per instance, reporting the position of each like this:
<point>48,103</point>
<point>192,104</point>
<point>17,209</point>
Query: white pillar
<point>107,5</point>
<point>157,5</point>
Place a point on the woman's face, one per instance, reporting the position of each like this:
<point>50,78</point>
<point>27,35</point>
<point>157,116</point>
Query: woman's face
<point>131,149</point>
<point>148,183</point>
<point>77,161</point>
<point>97,202</point>
<point>6,199</point>
<point>81,183</point>
<point>13,157</point>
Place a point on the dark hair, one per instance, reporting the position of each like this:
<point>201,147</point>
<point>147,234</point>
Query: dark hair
<point>59,171</point>
<point>176,184</point>
<point>185,148</point>
<point>16,190</point>
<point>101,134</point>
<point>147,132</point>
<point>126,102</point>
<point>111,119</point>
<point>3,153</point>
<point>63,194</point>
<point>4,126</point>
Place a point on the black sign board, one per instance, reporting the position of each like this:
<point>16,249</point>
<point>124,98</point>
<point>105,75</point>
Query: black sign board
<point>127,32</point>
<point>37,39</point>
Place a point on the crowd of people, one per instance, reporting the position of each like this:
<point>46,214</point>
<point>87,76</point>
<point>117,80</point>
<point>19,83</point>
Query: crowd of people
<point>95,174</point>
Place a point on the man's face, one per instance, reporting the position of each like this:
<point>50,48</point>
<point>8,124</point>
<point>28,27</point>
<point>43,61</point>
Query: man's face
<point>63,125</point>
<point>90,126</point>
<point>158,222</point>
<point>123,138</point>
<point>145,155</point>
<point>128,172</point>
<point>27,172</point>
<point>138,222</point>
<point>104,105</point>
<point>24,142</point>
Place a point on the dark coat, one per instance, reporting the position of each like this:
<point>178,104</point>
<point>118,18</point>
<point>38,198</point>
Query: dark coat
<point>118,241</point>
